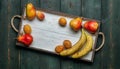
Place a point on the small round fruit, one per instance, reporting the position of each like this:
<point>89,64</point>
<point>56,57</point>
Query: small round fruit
<point>40,15</point>
<point>62,21</point>
<point>59,48</point>
<point>67,44</point>
<point>27,29</point>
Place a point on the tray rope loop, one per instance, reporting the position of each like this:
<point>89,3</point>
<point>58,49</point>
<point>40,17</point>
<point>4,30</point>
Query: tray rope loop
<point>12,22</point>
<point>103,41</point>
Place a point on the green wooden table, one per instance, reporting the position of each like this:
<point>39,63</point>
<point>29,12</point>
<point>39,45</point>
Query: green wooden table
<point>107,11</point>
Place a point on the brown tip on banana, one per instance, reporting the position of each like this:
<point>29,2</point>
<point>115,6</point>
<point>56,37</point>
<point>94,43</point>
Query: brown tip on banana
<point>86,49</point>
<point>76,46</point>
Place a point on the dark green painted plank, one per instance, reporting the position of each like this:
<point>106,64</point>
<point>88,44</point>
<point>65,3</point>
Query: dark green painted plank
<point>3,35</point>
<point>7,44</point>
<point>50,4</point>
<point>13,51</point>
<point>106,28</point>
<point>71,7</point>
<point>115,38</point>
<point>110,27</point>
<point>38,60</point>
<point>31,59</point>
<point>92,9</point>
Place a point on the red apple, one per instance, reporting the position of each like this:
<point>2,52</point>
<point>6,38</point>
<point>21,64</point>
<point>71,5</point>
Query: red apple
<point>26,39</point>
<point>91,26</point>
<point>75,24</point>
<point>40,15</point>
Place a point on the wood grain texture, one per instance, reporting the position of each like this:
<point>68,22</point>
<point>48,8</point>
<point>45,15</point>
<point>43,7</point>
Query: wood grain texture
<point>110,27</point>
<point>31,59</point>
<point>115,38</point>
<point>50,4</point>
<point>72,7</point>
<point>27,57</point>
<point>52,61</point>
<point>105,10</point>
<point>7,35</point>
<point>4,35</point>
<point>92,9</point>
<point>13,51</point>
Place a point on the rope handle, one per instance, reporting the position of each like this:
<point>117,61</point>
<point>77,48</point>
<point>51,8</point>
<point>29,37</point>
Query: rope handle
<point>12,22</point>
<point>103,41</point>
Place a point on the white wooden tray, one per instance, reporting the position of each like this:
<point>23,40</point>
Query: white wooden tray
<point>48,33</point>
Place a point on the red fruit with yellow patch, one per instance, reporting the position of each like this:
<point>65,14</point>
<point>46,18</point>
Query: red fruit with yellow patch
<point>40,15</point>
<point>91,26</point>
<point>26,39</point>
<point>76,24</point>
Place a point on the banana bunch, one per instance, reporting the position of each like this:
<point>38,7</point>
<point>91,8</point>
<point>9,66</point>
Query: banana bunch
<point>76,46</point>
<point>86,49</point>
<point>80,48</point>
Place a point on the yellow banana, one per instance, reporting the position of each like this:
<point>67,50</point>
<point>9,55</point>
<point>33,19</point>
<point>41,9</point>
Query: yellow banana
<point>76,46</point>
<point>86,49</point>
